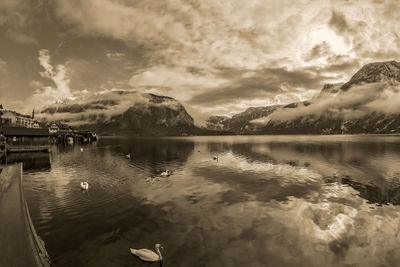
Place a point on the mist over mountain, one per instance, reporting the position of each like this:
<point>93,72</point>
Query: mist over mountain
<point>217,123</point>
<point>122,112</point>
<point>368,103</point>
<point>244,122</point>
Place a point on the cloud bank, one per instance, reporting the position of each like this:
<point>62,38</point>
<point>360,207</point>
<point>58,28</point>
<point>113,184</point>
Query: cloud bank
<point>88,108</point>
<point>358,101</point>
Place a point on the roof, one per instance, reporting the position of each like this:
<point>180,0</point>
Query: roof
<point>17,114</point>
<point>22,131</point>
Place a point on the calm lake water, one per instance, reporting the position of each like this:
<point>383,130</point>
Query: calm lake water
<point>267,201</point>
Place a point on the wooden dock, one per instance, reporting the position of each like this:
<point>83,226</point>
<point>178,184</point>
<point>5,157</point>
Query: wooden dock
<point>20,245</point>
<point>28,149</point>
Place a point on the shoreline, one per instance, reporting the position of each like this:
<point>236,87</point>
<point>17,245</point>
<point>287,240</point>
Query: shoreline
<point>186,136</point>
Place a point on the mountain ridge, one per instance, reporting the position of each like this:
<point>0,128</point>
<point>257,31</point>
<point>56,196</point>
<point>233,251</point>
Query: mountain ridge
<point>125,113</point>
<point>366,104</point>
<point>375,72</point>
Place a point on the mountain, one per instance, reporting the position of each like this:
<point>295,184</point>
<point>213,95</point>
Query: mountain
<point>217,123</point>
<point>375,72</point>
<point>124,113</point>
<point>241,123</point>
<point>330,88</point>
<point>373,123</point>
<point>247,121</point>
<point>367,103</point>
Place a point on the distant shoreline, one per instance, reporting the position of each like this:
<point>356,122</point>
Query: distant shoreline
<point>300,134</point>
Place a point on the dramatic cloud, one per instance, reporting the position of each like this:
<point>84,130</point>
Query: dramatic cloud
<point>214,55</point>
<point>176,82</point>
<point>260,88</point>
<point>15,17</point>
<point>2,66</point>
<point>343,66</point>
<point>338,22</point>
<point>60,90</point>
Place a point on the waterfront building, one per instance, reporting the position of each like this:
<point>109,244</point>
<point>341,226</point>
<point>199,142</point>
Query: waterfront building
<point>53,129</point>
<point>15,119</point>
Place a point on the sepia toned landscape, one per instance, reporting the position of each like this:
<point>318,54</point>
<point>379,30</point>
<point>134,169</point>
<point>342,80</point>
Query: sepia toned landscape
<point>199,133</point>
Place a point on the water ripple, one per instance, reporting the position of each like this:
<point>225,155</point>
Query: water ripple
<point>278,200</point>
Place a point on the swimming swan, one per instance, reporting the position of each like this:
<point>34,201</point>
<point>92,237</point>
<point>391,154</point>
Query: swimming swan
<point>148,255</point>
<point>166,173</point>
<point>84,185</point>
<point>128,156</point>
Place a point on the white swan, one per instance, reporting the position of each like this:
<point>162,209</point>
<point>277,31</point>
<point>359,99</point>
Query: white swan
<point>81,149</point>
<point>85,185</point>
<point>128,156</point>
<point>148,255</point>
<point>166,173</point>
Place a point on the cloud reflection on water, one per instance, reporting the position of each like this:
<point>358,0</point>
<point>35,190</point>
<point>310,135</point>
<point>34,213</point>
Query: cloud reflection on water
<point>265,202</point>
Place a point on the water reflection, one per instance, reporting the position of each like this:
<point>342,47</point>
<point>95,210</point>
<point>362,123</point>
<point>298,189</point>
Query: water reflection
<point>155,155</point>
<point>366,166</point>
<point>376,194</point>
<point>267,201</point>
<point>31,161</point>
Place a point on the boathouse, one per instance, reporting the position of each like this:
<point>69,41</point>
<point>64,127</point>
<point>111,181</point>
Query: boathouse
<point>53,128</point>
<point>25,137</point>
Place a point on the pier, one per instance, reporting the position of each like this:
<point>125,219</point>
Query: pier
<point>28,149</point>
<point>20,245</point>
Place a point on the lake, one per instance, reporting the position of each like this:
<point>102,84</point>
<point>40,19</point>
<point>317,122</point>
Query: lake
<point>266,201</point>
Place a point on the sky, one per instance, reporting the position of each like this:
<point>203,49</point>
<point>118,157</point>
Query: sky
<point>215,57</point>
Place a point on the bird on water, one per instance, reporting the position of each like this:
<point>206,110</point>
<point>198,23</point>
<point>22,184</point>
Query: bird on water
<point>148,255</point>
<point>85,185</point>
<point>166,173</point>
